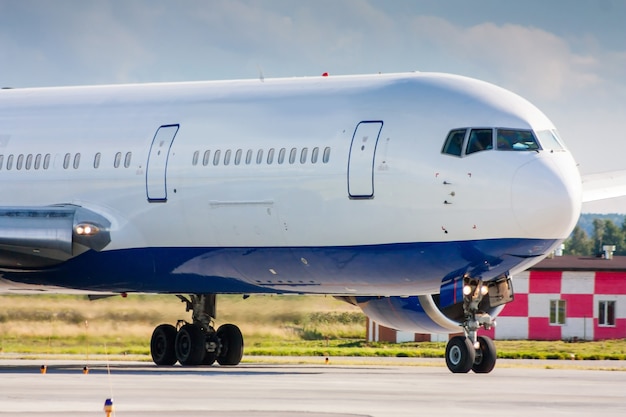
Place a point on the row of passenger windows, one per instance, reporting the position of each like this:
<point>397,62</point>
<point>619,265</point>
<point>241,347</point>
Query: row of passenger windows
<point>40,161</point>
<point>237,157</point>
<point>476,140</point>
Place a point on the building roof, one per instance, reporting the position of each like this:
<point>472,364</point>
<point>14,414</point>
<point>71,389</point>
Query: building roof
<point>582,263</point>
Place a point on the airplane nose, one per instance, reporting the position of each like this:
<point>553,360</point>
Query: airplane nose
<point>546,197</point>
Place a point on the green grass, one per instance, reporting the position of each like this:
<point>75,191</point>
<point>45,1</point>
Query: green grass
<point>272,325</point>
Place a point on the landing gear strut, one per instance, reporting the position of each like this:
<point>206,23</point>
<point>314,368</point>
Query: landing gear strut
<point>197,343</point>
<point>471,351</point>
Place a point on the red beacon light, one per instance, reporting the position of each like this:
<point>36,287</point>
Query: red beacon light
<point>325,74</point>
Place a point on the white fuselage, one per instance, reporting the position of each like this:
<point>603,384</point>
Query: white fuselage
<point>311,165</point>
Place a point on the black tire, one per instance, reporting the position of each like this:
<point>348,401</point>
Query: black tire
<point>460,355</point>
<point>231,345</point>
<point>209,358</point>
<point>190,345</point>
<point>486,356</point>
<point>162,345</point>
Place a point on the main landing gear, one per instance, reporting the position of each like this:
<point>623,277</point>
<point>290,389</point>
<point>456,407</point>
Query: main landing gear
<point>471,351</point>
<point>197,343</point>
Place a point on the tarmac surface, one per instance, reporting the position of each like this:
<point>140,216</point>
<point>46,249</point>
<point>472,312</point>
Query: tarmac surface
<point>343,387</point>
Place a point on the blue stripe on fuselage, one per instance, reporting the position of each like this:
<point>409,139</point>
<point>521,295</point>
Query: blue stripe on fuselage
<point>389,269</point>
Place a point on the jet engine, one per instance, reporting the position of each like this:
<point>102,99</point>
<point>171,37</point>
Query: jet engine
<point>437,313</point>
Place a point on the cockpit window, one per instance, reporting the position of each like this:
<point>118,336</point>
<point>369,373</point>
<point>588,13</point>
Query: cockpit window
<point>479,140</point>
<point>516,140</point>
<point>549,140</point>
<point>454,142</point>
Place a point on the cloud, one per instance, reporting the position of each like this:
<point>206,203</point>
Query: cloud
<point>524,58</point>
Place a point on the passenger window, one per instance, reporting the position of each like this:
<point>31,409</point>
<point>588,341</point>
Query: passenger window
<point>270,156</point>
<point>194,159</point>
<point>303,155</point>
<point>10,162</point>
<point>76,161</point>
<point>248,156</point>
<point>292,155</point>
<point>216,157</point>
<point>1,161</point>
<point>206,158</point>
<point>516,140</point>
<point>46,161</point>
<point>37,161</point>
<point>454,142</point>
<point>118,159</point>
<point>20,161</point>
<point>29,161</point>
<point>66,161</point>
<point>281,155</point>
<point>227,157</point>
<point>96,160</point>
<point>314,155</point>
<point>479,140</point>
<point>238,156</point>
<point>259,156</point>
<point>127,159</point>
<point>326,156</point>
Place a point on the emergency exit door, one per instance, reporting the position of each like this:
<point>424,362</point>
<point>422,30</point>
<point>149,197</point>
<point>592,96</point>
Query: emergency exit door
<point>156,168</point>
<point>361,159</point>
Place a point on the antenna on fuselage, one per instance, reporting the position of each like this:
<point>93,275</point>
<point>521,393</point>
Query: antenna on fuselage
<point>261,76</point>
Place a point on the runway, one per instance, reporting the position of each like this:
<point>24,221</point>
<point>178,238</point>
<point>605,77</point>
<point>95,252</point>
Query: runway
<point>337,389</point>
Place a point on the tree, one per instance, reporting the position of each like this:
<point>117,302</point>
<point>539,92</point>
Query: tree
<point>579,243</point>
<point>613,235</point>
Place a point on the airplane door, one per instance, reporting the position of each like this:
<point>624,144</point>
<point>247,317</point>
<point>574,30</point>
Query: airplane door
<point>361,159</point>
<point>156,169</point>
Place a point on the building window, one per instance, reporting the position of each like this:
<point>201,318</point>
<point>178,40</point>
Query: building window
<point>606,313</point>
<point>557,312</point>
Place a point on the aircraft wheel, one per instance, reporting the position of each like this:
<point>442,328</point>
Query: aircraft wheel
<point>460,355</point>
<point>162,345</point>
<point>231,341</point>
<point>190,345</point>
<point>485,357</point>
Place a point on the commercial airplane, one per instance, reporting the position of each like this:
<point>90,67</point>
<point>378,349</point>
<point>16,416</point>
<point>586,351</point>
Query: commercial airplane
<point>414,196</point>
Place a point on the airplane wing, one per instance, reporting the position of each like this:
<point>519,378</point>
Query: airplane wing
<point>604,185</point>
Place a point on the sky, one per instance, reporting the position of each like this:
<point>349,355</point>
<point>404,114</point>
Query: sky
<point>566,57</point>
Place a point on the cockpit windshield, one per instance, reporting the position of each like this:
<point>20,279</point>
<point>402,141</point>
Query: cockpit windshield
<point>516,140</point>
<point>467,141</point>
<point>550,140</point>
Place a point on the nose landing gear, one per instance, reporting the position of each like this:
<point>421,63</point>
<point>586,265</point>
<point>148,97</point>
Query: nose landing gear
<point>197,343</point>
<point>471,351</point>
